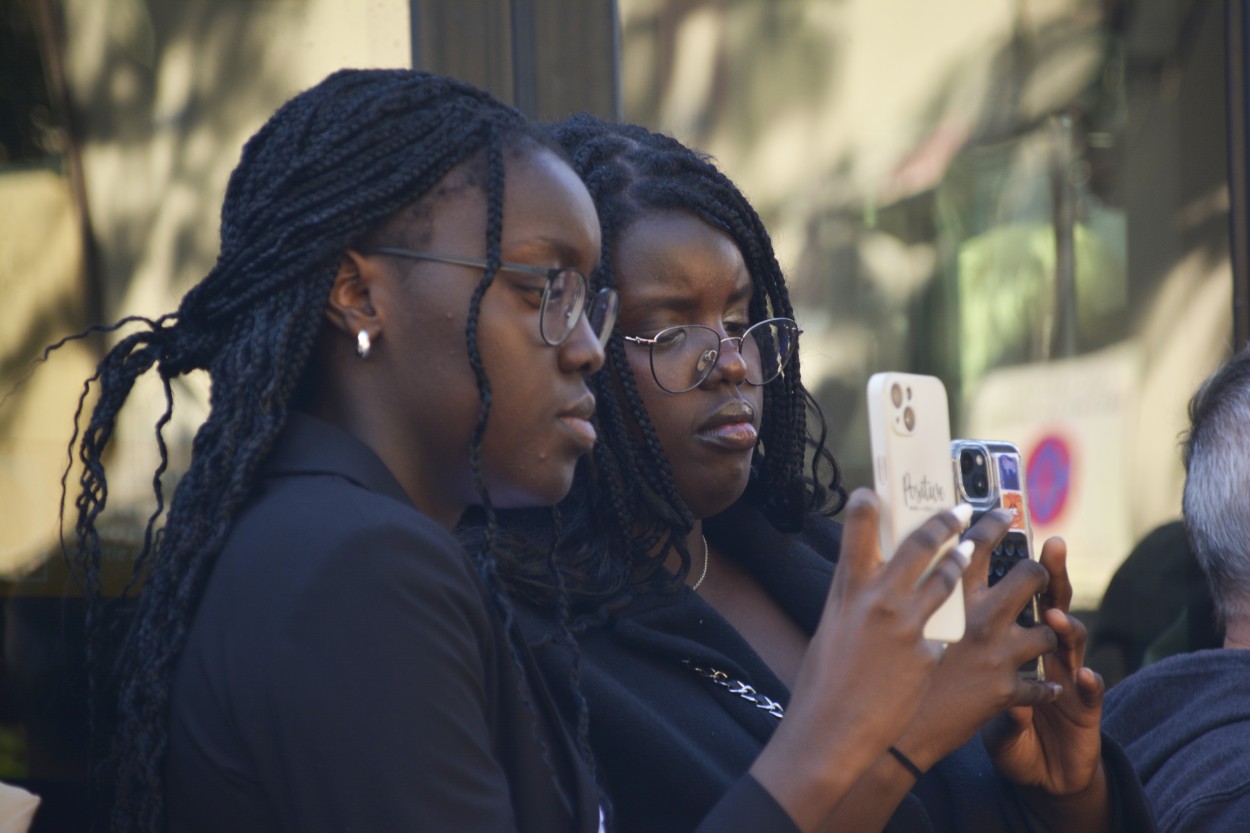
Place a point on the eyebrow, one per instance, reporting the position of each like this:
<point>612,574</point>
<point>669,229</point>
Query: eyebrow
<point>676,302</point>
<point>561,250</point>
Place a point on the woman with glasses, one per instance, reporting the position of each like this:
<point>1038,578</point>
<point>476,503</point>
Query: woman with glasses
<point>696,553</point>
<point>398,326</point>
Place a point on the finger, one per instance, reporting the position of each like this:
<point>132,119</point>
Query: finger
<point>918,551</point>
<point>1072,636</point>
<point>1054,558</point>
<point>986,532</point>
<point>1031,643</point>
<point>1014,590</point>
<point>943,578</point>
<point>860,553</point>
<point>1090,687</point>
<point>1034,692</point>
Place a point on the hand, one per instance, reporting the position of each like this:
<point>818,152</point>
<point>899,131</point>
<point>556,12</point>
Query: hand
<point>1055,749</point>
<point>979,677</point>
<point>867,665</point>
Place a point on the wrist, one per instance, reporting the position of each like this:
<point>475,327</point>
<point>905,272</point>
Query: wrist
<point>1085,809</point>
<point>807,784</point>
<point>924,749</point>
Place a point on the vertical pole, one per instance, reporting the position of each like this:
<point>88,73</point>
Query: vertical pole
<point>1063,216</point>
<point>1236,29</point>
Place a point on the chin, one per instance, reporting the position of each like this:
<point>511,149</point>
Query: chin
<point>715,495</point>
<point>528,495</point>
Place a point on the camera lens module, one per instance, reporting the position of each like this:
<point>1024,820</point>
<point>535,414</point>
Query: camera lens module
<point>896,394</point>
<point>909,418</point>
<point>973,473</point>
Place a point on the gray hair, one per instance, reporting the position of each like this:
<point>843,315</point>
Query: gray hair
<point>1217,487</point>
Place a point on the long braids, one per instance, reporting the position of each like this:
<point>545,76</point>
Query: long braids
<point>331,166</point>
<point>615,526</point>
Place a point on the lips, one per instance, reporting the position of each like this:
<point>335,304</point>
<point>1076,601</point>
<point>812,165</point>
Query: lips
<point>576,420</point>
<point>732,427</point>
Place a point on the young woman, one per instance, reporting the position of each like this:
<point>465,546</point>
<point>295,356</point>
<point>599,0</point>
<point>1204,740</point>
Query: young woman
<point>696,553</point>
<point>398,326</point>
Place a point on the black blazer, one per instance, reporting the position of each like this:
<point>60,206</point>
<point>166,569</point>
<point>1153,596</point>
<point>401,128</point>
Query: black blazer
<point>347,671</point>
<point>672,747</point>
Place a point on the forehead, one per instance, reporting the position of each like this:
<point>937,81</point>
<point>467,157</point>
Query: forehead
<point>674,254</point>
<point>547,212</point>
<point>546,203</point>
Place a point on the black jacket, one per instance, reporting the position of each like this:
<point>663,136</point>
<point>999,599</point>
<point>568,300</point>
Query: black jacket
<point>673,747</point>
<point>346,671</point>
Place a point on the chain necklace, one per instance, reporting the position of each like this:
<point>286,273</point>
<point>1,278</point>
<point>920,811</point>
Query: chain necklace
<point>703,574</point>
<point>743,690</point>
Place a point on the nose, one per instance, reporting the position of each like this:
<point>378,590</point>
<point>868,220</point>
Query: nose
<point>581,352</point>
<point>730,365</point>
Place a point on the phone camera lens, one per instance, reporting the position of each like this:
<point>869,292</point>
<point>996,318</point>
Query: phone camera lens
<point>896,395</point>
<point>980,485</point>
<point>965,463</point>
<point>909,418</point>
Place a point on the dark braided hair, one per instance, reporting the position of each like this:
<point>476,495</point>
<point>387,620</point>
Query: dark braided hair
<point>624,507</point>
<point>333,166</point>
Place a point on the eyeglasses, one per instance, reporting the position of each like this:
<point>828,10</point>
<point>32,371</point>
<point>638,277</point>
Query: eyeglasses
<point>683,357</point>
<point>564,296</point>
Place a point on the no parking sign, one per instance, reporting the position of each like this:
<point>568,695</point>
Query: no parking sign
<point>1049,475</point>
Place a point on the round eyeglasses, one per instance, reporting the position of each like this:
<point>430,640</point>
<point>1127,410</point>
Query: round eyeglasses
<point>683,357</point>
<point>564,297</point>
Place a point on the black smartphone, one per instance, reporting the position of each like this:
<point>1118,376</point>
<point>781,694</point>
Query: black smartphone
<point>989,475</point>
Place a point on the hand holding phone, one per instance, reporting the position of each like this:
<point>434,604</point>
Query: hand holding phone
<point>909,426</point>
<point>988,475</point>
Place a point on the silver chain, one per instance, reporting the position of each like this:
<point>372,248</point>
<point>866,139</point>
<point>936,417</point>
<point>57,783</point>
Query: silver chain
<point>746,692</point>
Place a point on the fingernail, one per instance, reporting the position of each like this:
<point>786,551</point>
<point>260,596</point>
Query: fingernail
<point>963,554</point>
<point>963,514</point>
<point>1055,689</point>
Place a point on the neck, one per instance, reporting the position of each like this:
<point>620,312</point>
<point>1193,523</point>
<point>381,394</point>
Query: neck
<point>694,545</point>
<point>1237,634</point>
<point>435,497</point>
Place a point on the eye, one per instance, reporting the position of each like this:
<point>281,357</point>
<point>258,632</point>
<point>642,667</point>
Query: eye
<point>530,288</point>
<point>736,328</point>
<point>671,339</point>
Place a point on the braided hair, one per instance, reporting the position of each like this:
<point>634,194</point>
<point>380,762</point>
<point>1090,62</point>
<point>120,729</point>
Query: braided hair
<point>333,166</point>
<point>624,514</point>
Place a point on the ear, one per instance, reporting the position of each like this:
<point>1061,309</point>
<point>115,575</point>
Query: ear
<point>350,307</point>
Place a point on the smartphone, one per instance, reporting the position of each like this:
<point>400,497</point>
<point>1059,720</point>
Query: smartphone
<point>909,425</point>
<point>989,475</point>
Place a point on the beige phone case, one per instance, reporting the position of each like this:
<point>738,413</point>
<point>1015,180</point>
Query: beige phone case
<point>909,423</point>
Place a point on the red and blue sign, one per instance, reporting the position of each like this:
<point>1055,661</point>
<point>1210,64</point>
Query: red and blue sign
<point>1049,475</point>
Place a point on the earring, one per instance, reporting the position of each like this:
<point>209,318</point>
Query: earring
<point>363,344</point>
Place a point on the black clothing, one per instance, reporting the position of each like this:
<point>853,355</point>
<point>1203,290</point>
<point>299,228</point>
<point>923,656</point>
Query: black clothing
<point>1157,604</point>
<point>346,671</point>
<point>1185,724</point>
<point>671,744</point>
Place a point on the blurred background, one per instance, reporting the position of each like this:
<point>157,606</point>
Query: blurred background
<point>1040,201</point>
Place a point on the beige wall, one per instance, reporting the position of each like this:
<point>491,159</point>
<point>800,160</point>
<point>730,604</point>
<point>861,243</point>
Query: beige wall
<point>167,93</point>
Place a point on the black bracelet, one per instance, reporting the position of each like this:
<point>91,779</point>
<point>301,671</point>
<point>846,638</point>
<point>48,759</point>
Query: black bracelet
<point>915,771</point>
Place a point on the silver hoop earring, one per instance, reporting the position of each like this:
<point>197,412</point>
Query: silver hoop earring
<point>363,344</point>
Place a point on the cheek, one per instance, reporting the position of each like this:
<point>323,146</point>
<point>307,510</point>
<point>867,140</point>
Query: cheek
<point>672,426</point>
<point>522,454</point>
